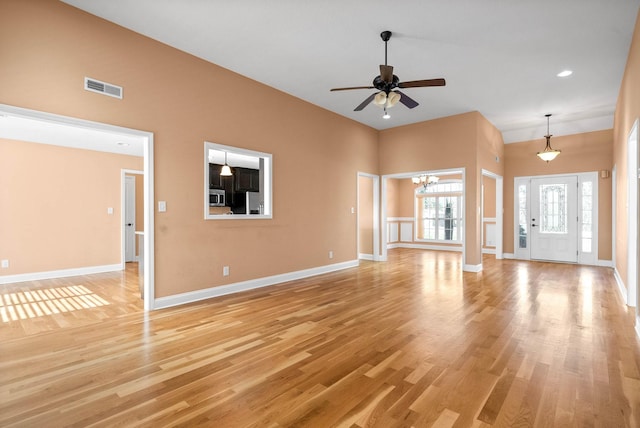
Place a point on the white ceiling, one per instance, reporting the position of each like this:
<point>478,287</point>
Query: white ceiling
<point>22,128</point>
<point>498,57</point>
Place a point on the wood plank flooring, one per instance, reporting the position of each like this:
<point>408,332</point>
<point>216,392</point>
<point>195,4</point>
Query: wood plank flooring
<point>409,342</point>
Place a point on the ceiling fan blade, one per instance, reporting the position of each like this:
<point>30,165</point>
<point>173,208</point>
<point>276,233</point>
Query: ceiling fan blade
<point>422,83</point>
<point>366,102</point>
<point>352,87</point>
<point>386,73</point>
<point>409,102</point>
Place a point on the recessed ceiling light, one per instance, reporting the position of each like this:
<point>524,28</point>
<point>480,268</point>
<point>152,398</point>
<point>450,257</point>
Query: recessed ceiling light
<point>565,73</point>
<point>123,144</point>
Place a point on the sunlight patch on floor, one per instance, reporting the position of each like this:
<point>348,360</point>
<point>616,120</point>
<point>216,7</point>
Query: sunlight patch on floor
<point>47,301</point>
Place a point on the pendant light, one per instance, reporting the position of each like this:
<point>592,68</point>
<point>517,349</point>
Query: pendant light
<point>225,171</point>
<point>548,154</point>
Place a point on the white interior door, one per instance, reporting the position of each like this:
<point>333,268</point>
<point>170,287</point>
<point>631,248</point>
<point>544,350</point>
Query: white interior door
<point>129,218</point>
<point>554,219</point>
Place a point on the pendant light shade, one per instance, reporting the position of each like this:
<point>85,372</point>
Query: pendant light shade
<point>548,154</point>
<point>226,170</point>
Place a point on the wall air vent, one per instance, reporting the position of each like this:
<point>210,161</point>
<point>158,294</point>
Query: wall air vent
<point>94,85</point>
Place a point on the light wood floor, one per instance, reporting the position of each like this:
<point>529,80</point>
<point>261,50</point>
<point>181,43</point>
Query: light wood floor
<point>411,342</point>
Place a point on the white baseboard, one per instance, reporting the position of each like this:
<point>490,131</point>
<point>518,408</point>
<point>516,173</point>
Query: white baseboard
<point>62,273</point>
<point>637,326</point>
<point>363,256</point>
<point>472,268</point>
<point>425,247</point>
<point>621,287</point>
<point>488,251</point>
<point>509,256</point>
<point>605,263</point>
<point>208,293</point>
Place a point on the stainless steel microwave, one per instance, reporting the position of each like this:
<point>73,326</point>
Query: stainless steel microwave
<point>216,198</point>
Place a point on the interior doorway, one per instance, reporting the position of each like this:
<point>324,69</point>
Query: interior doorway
<point>129,220</point>
<point>492,199</point>
<point>398,201</point>
<point>59,128</point>
<point>368,217</point>
<point>132,215</point>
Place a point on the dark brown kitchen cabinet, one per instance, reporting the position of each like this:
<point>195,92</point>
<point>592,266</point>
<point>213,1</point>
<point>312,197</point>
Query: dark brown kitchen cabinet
<point>246,180</point>
<point>215,180</point>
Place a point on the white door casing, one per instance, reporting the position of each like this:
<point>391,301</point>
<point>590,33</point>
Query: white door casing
<point>554,219</point>
<point>632,215</point>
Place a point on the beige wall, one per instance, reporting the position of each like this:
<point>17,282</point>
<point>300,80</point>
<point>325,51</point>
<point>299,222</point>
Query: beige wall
<point>49,47</point>
<point>462,141</point>
<point>627,112</point>
<point>490,158</point>
<point>406,198</point>
<point>586,152</point>
<point>489,209</point>
<point>54,204</point>
<point>393,193</point>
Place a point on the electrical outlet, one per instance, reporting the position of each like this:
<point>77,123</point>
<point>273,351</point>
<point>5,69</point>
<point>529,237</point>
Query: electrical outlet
<point>225,271</point>
<point>110,210</point>
<point>5,264</point>
<point>330,254</point>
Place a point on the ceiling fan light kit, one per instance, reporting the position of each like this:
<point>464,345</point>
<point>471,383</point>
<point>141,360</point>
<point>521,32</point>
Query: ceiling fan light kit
<point>387,82</point>
<point>383,100</point>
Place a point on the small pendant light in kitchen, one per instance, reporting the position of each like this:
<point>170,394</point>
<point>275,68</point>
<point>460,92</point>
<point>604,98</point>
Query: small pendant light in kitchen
<point>226,170</point>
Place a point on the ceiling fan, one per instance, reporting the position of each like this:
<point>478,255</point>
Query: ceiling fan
<point>386,84</point>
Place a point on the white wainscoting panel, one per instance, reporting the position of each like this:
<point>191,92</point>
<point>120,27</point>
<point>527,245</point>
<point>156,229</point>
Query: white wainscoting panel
<point>406,232</point>
<point>392,232</point>
<point>490,237</point>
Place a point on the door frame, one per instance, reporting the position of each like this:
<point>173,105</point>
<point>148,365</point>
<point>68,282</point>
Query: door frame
<point>499,183</point>
<point>146,139</point>
<point>123,177</point>
<point>632,214</point>
<point>525,254</point>
<point>383,208</point>
<point>376,214</point>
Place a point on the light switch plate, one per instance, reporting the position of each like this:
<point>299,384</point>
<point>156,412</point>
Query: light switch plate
<point>162,206</point>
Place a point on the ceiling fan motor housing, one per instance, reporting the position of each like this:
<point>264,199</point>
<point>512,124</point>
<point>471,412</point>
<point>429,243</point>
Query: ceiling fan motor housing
<point>381,85</point>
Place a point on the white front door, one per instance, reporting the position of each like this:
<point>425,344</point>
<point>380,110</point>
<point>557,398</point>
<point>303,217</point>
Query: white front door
<point>129,218</point>
<point>554,219</point>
